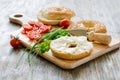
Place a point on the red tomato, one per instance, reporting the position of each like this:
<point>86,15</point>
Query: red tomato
<point>49,27</point>
<point>64,23</point>
<point>35,24</point>
<point>38,29</point>
<point>33,35</point>
<point>27,27</point>
<point>42,29</point>
<point>32,23</point>
<point>46,28</point>
<point>15,42</point>
<point>23,31</point>
<point>33,29</point>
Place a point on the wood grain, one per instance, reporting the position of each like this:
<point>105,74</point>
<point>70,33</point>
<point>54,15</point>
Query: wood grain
<point>106,67</point>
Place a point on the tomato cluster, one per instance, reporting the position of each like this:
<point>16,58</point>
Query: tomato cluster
<point>34,30</point>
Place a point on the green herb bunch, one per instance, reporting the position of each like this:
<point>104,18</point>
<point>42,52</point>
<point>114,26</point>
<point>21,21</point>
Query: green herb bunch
<point>54,34</point>
<point>43,45</point>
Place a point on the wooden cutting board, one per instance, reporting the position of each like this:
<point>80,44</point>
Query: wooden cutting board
<point>98,50</point>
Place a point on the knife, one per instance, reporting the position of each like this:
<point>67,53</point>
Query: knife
<point>101,38</point>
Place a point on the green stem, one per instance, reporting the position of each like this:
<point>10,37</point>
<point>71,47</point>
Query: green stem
<point>21,58</point>
<point>33,62</point>
<point>32,49</point>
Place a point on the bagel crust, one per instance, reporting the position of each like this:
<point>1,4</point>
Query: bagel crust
<point>91,25</point>
<point>47,21</point>
<point>71,47</point>
<point>57,13</point>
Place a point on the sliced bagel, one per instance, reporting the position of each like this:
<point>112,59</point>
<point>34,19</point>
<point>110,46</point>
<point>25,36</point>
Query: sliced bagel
<point>54,14</point>
<point>47,21</point>
<point>91,25</point>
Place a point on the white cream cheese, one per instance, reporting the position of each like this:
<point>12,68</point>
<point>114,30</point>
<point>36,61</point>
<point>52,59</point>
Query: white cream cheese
<point>71,45</point>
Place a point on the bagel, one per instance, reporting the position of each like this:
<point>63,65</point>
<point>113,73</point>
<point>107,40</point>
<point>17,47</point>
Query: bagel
<point>47,21</point>
<point>72,47</point>
<point>53,15</point>
<point>91,25</point>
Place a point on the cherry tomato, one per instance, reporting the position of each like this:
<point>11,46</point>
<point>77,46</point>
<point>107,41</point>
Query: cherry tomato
<point>15,42</point>
<point>33,29</point>
<point>33,35</point>
<point>32,23</point>
<point>64,23</point>
<point>38,29</point>
<point>27,27</point>
<point>23,31</point>
<point>42,29</point>
<point>46,28</point>
<point>36,24</point>
<point>49,27</point>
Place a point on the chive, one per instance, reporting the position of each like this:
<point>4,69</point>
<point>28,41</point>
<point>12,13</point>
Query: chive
<point>21,58</point>
<point>44,46</point>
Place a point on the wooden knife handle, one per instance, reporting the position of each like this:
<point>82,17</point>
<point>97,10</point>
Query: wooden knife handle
<point>19,18</point>
<point>99,38</point>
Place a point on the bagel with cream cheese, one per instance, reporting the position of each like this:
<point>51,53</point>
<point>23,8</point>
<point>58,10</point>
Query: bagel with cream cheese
<point>71,47</point>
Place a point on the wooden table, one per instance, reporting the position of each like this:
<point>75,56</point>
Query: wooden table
<point>106,67</point>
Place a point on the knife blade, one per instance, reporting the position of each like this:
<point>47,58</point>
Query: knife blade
<point>77,32</point>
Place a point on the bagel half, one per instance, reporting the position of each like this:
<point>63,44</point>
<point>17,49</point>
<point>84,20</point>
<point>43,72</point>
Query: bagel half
<point>71,47</point>
<point>91,25</point>
<point>53,15</point>
<point>47,21</point>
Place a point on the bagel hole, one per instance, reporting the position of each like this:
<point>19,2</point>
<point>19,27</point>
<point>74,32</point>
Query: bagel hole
<point>90,24</point>
<point>72,45</point>
<point>58,9</point>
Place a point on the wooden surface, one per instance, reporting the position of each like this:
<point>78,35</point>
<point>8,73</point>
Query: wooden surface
<point>98,50</point>
<point>106,67</point>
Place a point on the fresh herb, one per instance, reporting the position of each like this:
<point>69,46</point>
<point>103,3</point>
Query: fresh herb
<point>25,49</point>
<point>57,33</point>
<point>44,46</point>
<point>54,34</point>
